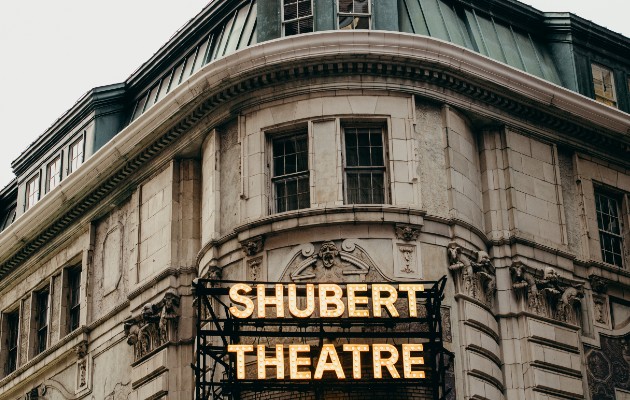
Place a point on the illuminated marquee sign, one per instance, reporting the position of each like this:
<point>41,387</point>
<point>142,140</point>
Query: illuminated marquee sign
<point>330,304</point>
<point>254,336</point>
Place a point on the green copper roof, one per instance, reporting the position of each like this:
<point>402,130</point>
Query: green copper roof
<point>482,34</point>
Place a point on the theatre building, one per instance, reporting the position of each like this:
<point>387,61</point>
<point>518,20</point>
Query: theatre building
<point>308,199</point>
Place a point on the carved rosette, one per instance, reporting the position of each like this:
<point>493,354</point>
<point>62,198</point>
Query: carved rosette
<point>155,326</point>
<point>473,272</point>
<point>253,246</point>
<point>548,296</point>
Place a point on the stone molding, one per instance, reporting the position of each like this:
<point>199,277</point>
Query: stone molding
<point>545,294</point>
<point>155,326</point>
<point>494,85</point>
<point>253,246</point>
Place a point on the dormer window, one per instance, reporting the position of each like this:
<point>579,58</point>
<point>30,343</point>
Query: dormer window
<point>75,155</point>
<point>604,85</point>
<point>53,174</point>
<point>354,14</point>
<point>32,192</point>
<point>297,16</point>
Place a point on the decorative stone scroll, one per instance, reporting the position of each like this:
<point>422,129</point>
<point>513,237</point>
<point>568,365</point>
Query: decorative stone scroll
<point>253,246</point>
<point>474,273</point>
<point>547,296</point>
<point>155,326</point>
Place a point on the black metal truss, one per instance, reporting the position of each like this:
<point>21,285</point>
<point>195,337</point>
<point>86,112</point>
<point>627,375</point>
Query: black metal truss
<point>215,369</point>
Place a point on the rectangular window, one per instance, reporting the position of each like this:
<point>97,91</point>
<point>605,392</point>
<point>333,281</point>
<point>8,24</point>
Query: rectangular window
<point>74,298</point>
<point>12,326</point>
<point>609,224</point>
<point>364,165</point>
<point>604,85</point>
<point>75,155</point>
<point>41,320</point>
<point>354,14</point>
<point>297,16</point>
<point>290,172</point>
<point>32,192</point>
<point>53,174</point>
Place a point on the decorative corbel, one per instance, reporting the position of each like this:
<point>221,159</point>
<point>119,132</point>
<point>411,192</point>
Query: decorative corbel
<point>81,349</point>
<point>598,284</point>
<point>253,246</point>
<point>407,233</point>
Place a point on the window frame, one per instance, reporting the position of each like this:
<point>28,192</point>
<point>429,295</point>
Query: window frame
<point>353,14</point>
<point>72,276</point>
<point>40,329</point>
<point>11,355</point>
<point>58,157</point>
<point>297,19</point>
<point>296,132</point>
<point>36,180</point>
<point>619,199</point>
<point>70,168</point>
<point>382,126</point>
<point>603,100</point>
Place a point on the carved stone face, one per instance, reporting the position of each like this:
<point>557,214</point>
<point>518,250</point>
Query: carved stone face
<point>327,253</point>
<point>483,257</point>
<point>550,274</point>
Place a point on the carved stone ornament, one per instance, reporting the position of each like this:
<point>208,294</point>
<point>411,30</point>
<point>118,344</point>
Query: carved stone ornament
<point>598,284</point>
<point>600,309</point>
<point>155,326</point>
<point>331,263</point>
<point>81,349</point>
<point>407,233</point>
<point>253,246</point>
<point>547,297</point>
<point>473,272</point>
<point>254,269</point>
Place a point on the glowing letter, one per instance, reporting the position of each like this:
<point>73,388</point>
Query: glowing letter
<point>335,300</point>
<point>328,350</point>
<point>353,300</point>
<point>277,362</point>
<point>388,302</point>
<point>409,361</point>
<point>388,363</point>
<point>310,301</point>
<point>276,301</point>
<point>240,350</point>
<point>239,299</point>
<point>411,289</point>
<point>295,362</point>
<point>356,350</point>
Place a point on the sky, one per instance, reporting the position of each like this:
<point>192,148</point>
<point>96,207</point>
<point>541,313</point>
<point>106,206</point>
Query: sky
<point>55,51</point>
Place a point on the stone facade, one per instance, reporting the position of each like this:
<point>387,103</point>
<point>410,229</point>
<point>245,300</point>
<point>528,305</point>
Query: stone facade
<point>490,177</point>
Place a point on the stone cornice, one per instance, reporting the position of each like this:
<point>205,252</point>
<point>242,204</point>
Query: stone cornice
<point>408,63</point>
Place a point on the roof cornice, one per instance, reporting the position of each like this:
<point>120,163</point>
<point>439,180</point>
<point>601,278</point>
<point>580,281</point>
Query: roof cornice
<point>407,63</point>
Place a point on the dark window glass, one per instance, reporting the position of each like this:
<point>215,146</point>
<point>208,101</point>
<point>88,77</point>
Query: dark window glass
<point>41,315</point>
<point>365,166</point>
<point>12,326</point>
<point>290,172</point>
<point>608,222</point>
<point>74,298</point>
<point>298,17</point>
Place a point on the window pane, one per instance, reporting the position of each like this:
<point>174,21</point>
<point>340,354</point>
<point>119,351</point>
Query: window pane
<point>53,173</point>
<point>609,224</point>
<point>75,155</point>
<point>604,85</point>
<point>290,172</point>
<point>32,192</point>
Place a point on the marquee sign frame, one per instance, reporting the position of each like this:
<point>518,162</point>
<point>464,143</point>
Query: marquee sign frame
<point>217,329</point>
